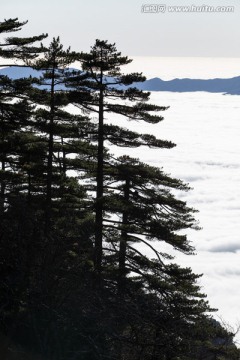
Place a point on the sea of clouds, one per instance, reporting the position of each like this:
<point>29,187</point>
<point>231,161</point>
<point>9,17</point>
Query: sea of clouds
<point>206,129</point>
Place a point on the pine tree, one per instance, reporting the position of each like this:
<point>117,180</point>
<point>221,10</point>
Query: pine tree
<point>141,209</point>
<point>147,211</point>
<point>64,133</point>
<point>17,48</point>
<point>103,78</point>
<point>15,148</point>
<point>15,109</point>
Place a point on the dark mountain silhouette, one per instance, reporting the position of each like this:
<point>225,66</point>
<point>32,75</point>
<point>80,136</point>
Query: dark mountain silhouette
<point>17,72</point>
<point>226,86</point>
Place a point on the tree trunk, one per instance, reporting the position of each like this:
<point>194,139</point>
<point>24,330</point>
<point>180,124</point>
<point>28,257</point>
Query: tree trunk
<point>123,242</point>
<point>99,199</point>
<point>50,156</point>
<point>3,186</point>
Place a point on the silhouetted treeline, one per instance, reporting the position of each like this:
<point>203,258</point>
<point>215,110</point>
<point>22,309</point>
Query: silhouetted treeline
<point>75,282</point>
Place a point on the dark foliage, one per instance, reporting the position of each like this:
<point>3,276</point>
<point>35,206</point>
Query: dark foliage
<point>75,284</point>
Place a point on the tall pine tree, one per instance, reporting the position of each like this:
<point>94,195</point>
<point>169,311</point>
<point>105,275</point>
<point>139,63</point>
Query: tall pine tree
<point>103,78</point>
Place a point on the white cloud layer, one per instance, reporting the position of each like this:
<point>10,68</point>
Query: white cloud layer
<point>206,129</point>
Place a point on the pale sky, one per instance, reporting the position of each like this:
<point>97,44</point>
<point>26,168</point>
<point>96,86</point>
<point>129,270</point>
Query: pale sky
<point>79,23</point>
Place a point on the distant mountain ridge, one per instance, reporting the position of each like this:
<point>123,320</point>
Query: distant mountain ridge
<point>17,72</point>
<point>229,86</point>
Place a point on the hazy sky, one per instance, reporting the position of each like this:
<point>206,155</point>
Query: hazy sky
<point>135,33</point>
